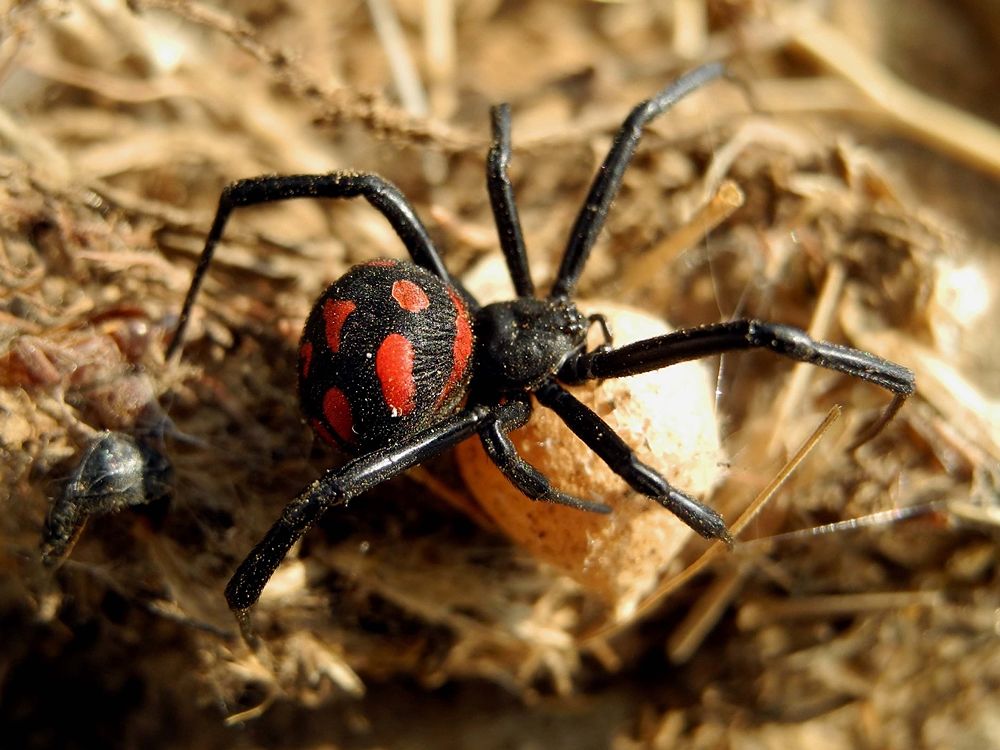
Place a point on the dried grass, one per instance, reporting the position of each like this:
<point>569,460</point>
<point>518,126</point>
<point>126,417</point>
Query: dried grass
<point>869,217</point>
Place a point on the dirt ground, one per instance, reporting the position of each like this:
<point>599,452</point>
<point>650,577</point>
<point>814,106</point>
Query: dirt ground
<point>843,180</point>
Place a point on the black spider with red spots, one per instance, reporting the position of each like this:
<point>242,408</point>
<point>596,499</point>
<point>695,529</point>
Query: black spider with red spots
<point>398,363</point>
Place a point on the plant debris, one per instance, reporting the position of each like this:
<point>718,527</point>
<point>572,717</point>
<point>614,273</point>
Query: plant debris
<point>849,180</point>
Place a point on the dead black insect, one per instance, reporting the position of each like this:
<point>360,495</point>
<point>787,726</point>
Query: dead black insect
<point>115,471</point>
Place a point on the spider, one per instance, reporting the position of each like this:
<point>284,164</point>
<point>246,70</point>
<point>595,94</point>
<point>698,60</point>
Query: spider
<point>398,363</point>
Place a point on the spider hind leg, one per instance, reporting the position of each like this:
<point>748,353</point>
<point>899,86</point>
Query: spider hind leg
<point>334,489</point>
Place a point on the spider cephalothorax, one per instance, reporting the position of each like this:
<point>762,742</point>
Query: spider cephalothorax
<point>398,363</point>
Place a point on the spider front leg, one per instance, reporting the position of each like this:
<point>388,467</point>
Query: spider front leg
<point>334,489</point>
<point>608,180</point>
<point>502,202</point>
<point>526,478</point>
<point>601,439</point>
<point>380,193</point>
<point>733,335</point>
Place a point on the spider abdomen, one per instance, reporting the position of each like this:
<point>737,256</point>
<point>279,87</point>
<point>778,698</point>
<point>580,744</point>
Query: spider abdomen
<point>385,351</point>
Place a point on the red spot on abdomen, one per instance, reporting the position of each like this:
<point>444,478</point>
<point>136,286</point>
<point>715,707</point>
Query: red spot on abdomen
<point>462,347</point>
<point>305,357</point>
<point>335,312</point>
<point>337,411</point>
<point>410,296</point>
<point>320,429</point>
<point>394,368</point>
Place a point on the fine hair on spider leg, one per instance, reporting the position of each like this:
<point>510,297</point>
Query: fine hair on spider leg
<point>398,362</point>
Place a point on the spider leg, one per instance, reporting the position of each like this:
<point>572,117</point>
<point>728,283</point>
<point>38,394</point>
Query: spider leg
<point>608,179</point>
<point>334,489</point>
<point>622,460</point>
<point>502,201</point>
<point>718,338</point>
<point>525,477</point>
<point>380,193</point>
